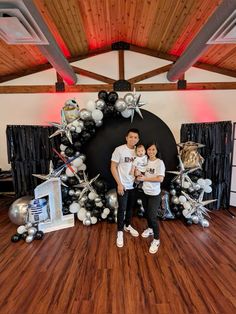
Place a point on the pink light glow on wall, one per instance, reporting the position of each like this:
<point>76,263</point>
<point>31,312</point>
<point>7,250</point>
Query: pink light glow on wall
<point>199,107</point>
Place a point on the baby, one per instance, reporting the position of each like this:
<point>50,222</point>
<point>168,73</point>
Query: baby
<point>139,164</point>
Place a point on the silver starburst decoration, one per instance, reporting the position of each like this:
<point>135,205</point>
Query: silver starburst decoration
<point>62,128</point>
<point>183,174</point>
<point>86,185</point>
<point>52,173</point>
<point>198,206</point>
<point>134,104</point>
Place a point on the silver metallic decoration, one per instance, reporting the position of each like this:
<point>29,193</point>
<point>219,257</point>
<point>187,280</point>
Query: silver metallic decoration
<point>18,211</point>
<point>86,185</point>
<point>111,199</point>
<point>120,104</point>
<point>85,114</point>
<point>134,104</point>
<point>52,189</point>
<point>62,128</point>
<point>52,173</point>
<point>100,104</point>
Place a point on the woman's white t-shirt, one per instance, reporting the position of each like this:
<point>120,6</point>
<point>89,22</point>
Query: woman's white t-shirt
<point>154,168</point>
<point>124,156</point>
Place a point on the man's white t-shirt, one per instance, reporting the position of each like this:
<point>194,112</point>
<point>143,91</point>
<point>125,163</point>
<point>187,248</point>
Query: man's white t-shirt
<point>154,168</point>
<point>140,163</point>
<point>124,156</point>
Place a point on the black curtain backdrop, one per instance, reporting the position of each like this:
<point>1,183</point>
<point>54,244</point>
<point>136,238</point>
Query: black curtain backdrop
<point>217,137</point>
<point>30,149</point>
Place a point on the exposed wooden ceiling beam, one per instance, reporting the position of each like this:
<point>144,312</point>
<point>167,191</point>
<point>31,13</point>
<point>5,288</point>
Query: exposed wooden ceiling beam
<point>199,44</point>
<point>31,89</point>
<point>149,74</point>
<point>93,75</point>
<point>121,65</point>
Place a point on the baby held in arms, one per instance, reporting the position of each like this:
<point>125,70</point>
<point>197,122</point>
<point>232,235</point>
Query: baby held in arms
<point>139,164</point>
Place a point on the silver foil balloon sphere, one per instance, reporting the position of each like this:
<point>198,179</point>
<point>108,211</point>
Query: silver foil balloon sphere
<point>85,114</point>
<point>205,223</point>
<point>100,104</point>
<point>18,210</point>
<point>111,199</point>
<point>120,105</point>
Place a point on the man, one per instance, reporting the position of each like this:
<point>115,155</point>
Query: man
<point>121,164</point>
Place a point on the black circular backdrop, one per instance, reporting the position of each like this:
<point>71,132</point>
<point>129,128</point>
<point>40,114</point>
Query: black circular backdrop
<point>99,149</point>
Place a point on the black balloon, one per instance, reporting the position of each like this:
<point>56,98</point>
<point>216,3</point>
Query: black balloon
<point>89,124</point>
<point>72,181</point>
<point>69,151</point>
<point>39,235</point>
<point>102,95</point>
<point>65,211</point>
<point>15,238</point>
<point>24,235</point>
<point>100,185</point>
<point>112,97</point>
<point>65,141</point>
<point>77,145</point>
<point>64,192</point>
<point>75,136</point>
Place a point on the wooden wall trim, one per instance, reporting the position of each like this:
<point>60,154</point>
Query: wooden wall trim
<point>93,75</point>
<point>121,65</point>
<point>149,74</point>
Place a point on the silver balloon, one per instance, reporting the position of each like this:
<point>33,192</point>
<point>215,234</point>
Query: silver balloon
<point>77,193</point>
<point>197,187</point>
<point>175,200</point>
<point>18,210</point>
<point>71,192</point>
<point>32,231</point>
<point>190,189</point>
<point>173,192</point>
<point>111,199</point>
<point>126,113</point>
<point>139,201</point>
<point>29,238</point>
<point>83,157</point>
<point>205,223</point>
<point>85,114</point>
<point>88,214</point>
<point>77,154</point>
<point>195,219</point>
<point>63,177</point>
<point>98,123</point>
<point>100,104</point>
<point>120,105</point>
<point>87,222</point>
<point>129,98</point>
<point>81,124</point>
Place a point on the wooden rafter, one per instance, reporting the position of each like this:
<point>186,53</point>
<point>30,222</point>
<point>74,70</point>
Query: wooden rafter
<point>93,75</point>
<point>149,74</point>
<point>31,89</point>
<point>121,65</point>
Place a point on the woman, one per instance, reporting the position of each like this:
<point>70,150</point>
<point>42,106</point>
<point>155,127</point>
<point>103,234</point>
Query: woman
<point>154,175</point>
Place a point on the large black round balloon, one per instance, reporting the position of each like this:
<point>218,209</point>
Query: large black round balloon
<point>16,237</point>
<point>39,235</point>
<point>65,141</point>
<point>112,98</point>
<point>102,95</point>
<point>112,134</point>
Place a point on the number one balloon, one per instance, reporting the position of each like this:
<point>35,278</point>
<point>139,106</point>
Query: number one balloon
<point>52,189</point>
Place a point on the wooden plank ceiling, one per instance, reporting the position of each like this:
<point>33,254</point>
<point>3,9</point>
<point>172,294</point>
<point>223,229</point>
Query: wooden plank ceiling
<point>81,26</point>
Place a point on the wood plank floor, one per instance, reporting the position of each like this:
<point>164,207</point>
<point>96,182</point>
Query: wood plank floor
<point>80,270</point>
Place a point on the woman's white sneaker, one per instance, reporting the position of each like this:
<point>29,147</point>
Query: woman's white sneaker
<point>131,230</point>
<point>154,246</point>
<point>147,233</point>
<point>120,239</point>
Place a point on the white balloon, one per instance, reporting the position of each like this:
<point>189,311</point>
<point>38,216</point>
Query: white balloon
<point>78,129</point>
<point>94,220</point>
<point>77,162</point>
<point>186,213</point>
<point>126,113</point>
<point>175,200</point>
<point>91,105</point>
<point>182,199</point>
<point>104,216</point>
<point>83,167</point>
<point>92,196</point>
<point>75,123</point>
<point>201,182</point>
<point>186,185</point>
<point>97,115</point>
<point>63,147</point>
<point>21,229</point>
<point>207,189</point>
<point>106,211</point>
<point>69,173</point>
<point>74,207</point>
<point>81,214</point>
<point>208,182</point>
<point>187,205</point>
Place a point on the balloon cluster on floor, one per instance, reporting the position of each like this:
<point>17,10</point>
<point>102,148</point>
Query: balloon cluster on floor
<point>188,188</point>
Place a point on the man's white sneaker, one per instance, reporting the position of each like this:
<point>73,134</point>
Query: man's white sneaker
<point>120,239</point>
<point>154,246</point>
<point>147,233</point>
<point>132,231</point>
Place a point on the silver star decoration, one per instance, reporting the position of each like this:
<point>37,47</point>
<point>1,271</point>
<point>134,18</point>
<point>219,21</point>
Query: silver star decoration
<point>183,174</point>
<point>86,185</point>
<point>63,127</point>
<point>52,173</point>
<point>198,206</point>
<point>134,105</point>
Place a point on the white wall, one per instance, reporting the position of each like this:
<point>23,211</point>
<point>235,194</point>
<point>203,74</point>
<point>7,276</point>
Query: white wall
<point>174,108</point>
